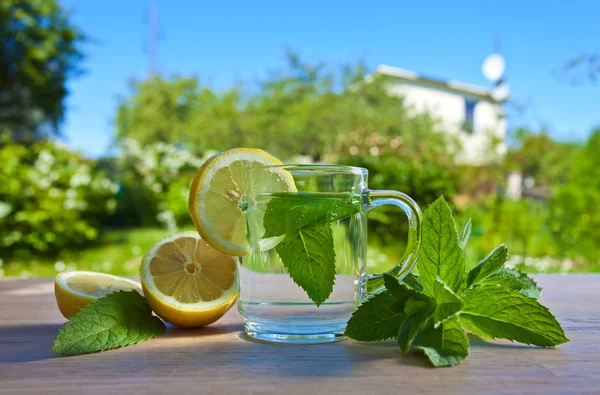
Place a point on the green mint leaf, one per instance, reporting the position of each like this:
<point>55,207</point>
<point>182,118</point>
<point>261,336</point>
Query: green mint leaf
<point>116,320</point>
<point>402,291</point>
<point>491,264</point>
<point>516,280</point>
<point>441,255</point>
<point>413,281</point>
<point>376,319</point>
<point>446,345</point>
<point>418,316</point>
<point>495,312</point>
<point>465,231</point>
<point>417,306</point>
<point>447,303</point>
<point>285,214</point>
<point>309,257</point>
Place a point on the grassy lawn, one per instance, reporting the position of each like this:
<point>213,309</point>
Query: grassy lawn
<point>117,252</point>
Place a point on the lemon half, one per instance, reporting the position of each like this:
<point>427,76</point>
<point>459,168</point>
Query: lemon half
<point>229,196</point>
<point>73,290</point>
<point>187,282</point>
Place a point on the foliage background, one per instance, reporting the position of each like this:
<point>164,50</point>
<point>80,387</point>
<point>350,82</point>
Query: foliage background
<point>61,211</point>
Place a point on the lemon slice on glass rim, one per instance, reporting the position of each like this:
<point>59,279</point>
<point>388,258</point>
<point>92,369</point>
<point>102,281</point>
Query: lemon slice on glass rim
<point>227,199</point>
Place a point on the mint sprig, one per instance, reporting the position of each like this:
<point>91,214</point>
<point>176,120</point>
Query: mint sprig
<point>116,320</point>
<point>438,306</point>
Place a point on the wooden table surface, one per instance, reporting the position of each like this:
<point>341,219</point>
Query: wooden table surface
<point>220,360</point>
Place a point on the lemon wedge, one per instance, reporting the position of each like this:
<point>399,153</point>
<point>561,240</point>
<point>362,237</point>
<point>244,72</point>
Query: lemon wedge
<point>73,290</point>
<point>187,282</point>
<point>229,196</point>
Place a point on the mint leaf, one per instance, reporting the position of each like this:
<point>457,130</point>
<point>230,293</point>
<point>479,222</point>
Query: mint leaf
<point>287,213</point>
<point>491,264</point>
<point>515,280</point>
<point>441,255</point>
<point>417,306</point>
<point>309,257</point>
<point>417,318</point>
<point>116,320</point>
<point>447,303</point>
<point>376,319</point>
<point>446,345</point>
<point>495,312</point>
<point>413,281</point>
<point>402,291</point>
<point>465,231</point>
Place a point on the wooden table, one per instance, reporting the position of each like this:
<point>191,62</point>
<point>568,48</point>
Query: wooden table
<point>220,360</point>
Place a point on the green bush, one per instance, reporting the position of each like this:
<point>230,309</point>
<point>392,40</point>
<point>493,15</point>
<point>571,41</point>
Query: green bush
<point>155,181</point>
<point>50,199</point>
<point>519,224</point>
<point>575,221</point>
<point>575,206</point>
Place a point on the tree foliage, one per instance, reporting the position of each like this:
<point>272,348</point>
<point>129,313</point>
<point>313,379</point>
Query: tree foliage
<point>540,156</point>
<point>575,206</point>
<point>38,53</point>
<point>305,110</point>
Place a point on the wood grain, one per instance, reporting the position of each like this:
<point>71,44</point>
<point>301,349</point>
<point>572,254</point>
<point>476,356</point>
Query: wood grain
<point>219,359</point>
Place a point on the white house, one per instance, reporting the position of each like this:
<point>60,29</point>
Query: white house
<point>470,112</point>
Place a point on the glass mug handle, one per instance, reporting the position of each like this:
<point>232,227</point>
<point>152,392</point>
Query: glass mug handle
<point>376,198</point>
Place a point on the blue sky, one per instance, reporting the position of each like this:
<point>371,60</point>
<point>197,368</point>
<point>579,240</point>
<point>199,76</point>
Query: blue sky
<point>225,42</point>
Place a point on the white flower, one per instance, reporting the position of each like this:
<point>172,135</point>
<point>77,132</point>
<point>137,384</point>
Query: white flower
<point>167,219</point>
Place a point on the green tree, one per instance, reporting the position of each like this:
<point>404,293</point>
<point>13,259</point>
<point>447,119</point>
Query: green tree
<point>539,156</point>
<point>178,110</point>
<point>38,53</point>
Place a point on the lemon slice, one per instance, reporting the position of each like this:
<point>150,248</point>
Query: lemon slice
<point>187,282</point>
<point>73,290</point>
<point>229,196</point>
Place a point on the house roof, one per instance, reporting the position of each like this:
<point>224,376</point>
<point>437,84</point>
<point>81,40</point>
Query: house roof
<point>451,85</point>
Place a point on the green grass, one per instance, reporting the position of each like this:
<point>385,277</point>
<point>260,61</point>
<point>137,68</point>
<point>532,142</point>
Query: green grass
<point>117,252</point>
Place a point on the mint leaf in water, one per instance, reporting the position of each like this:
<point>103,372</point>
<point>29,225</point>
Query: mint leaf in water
<point>287,213</point>
<point>495,312</point>
<point>309,257</point>
<point>116,320</point>
<point>446,345</point>
<point>491,264</point>
<point>441,255</point>
<point>376,319</point>
<point>516,280</point>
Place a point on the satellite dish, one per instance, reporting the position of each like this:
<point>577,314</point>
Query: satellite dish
<point>500,92</point>
<point>493,67</point>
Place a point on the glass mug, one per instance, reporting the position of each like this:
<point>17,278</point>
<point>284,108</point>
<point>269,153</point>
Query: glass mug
<point>274,308</point>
